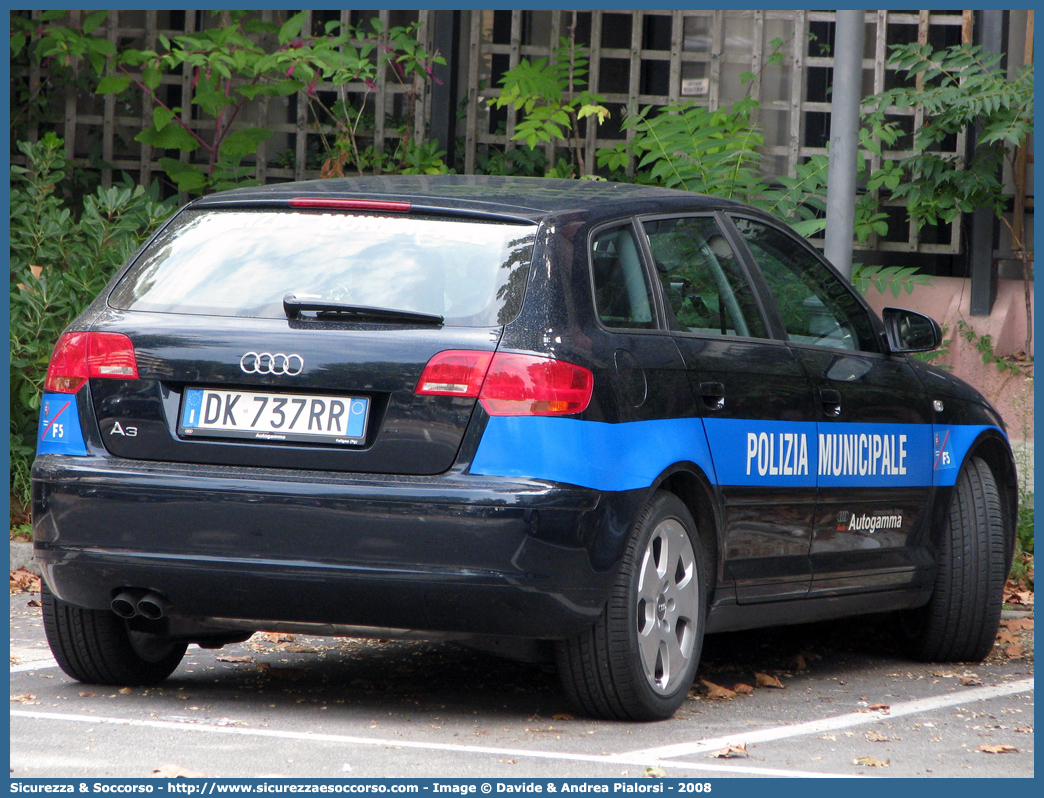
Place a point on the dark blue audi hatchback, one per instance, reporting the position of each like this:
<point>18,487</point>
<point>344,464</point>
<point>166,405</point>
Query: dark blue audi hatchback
<point>570,419</point>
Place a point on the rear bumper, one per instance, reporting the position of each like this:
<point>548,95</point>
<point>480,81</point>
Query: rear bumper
<point>452,553</point>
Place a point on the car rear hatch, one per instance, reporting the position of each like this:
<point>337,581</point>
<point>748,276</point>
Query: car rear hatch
<point>296,337</point>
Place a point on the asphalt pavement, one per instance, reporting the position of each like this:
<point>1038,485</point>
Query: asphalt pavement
<point>847,704</point>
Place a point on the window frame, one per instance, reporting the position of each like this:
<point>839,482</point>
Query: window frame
<point>743,262</point>
<point>659,325</point>
<point>876,326</point>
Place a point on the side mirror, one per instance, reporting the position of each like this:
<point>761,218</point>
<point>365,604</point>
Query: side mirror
<point>908,331</point>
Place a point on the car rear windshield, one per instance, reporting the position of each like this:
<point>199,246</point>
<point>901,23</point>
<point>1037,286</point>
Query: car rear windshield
<point>243,262</point>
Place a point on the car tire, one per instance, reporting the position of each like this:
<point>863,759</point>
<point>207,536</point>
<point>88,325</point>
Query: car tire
<point>959,623</point>
<point>97,647</point>
<point>638,661</point>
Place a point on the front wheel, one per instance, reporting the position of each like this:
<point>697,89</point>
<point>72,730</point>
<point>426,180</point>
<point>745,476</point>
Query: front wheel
<point>960,621</point>
<point>97,647</point>
<point>639,659</point>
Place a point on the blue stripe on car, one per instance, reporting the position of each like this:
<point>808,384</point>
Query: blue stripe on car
<point>755,453</point>
<point>591,454</point>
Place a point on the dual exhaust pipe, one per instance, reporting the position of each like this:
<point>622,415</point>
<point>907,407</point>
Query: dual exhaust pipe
<point>131,603</point>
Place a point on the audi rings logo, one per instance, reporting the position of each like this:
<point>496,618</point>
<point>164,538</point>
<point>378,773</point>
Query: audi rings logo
<point>843,516</point>
<point>267,363</point>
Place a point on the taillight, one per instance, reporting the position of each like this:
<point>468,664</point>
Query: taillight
<point>79,356</point>
<point>454,373</point>
<point>527,385</point>
<point>509,384</point>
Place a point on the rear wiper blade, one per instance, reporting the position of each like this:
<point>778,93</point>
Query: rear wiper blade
<point>293,305</point>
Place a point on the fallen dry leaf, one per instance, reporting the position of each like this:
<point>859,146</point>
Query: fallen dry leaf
<point>36,270</point>
<point>176,772</point>
<point>799,662</point>
<point>33,603</point>
<point>998,749</point>
<point>125,691</point>
<point>730,752</point>
<point>971,681</point>
<point>655,773</point>
<point>25,698</point>
<point>562,716</point>
<point>743,689</point>
<point>879,708</point>
<point>85,694</point>
<point>1014,595</point>
<point>870,762</point>
<point>716,692</point>
<point>1014,651</point>
<point>235,658</point>
<point>22,581</point>
<point>277,637</point>
<point>1018,624</point>
<point>767,680</point>
<point>877,737</point>
<point>1005,636</point>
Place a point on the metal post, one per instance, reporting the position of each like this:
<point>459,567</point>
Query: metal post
<point>983,237</point>
<point>446,37</point>
<point>844,140</point>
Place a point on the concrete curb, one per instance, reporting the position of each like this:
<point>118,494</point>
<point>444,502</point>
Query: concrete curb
<point>22,557</point>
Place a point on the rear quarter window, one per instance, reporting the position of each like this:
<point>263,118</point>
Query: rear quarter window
<point>243,262</point>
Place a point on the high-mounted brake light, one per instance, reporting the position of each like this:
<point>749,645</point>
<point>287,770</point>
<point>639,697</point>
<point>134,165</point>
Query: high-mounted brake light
<point>509,384</point>
<point>79,356</point>
<point>321,203</point>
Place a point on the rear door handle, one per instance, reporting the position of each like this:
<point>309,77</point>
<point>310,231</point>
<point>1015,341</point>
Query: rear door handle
<point>713,394</point>
<point>831,401</point>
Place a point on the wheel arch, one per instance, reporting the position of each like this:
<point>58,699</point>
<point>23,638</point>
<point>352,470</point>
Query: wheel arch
<point>689,483</point>
<point>995,450</point>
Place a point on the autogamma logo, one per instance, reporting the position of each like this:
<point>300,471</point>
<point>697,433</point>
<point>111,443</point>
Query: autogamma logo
<point>267,363</point>
<point>846,522</point>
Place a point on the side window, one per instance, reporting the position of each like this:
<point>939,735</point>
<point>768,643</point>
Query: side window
<point>702,281</point>
<point>817,308</point>
<point>622,297</point>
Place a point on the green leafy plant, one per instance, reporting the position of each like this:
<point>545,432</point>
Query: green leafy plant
<point>1024,527</point>
<point>958,89</point>
<point>61,257</point>
<point>888,278</point>
<point>396,51</point>
<point>550,94</point>
<point>692,148</point>
<point>775,58</point>
<point>1022,565</point>
<point>524,161</point>
<point>983,344</point>
<point>228,69</point>
<point>21,532</point>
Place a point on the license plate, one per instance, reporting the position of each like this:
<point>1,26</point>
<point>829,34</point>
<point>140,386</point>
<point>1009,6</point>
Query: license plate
<point>274,416</point>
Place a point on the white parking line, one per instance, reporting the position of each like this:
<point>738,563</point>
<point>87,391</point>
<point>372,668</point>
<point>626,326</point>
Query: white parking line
<point>35,665</point>
<point>636,759</point>
<point>965,696</point>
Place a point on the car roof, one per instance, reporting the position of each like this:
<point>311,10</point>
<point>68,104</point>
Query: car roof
<point>523,198</point>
